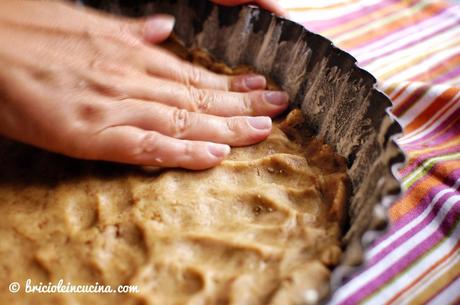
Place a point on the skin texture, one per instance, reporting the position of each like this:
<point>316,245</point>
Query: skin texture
<point>93,86</point>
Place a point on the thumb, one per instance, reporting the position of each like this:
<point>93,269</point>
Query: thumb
<point>158,28</point>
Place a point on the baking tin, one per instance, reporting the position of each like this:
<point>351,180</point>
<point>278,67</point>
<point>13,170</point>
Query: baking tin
<point>340,100</point>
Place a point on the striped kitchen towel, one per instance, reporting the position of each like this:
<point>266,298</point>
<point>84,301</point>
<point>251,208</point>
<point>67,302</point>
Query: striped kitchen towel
<point>413,48</point>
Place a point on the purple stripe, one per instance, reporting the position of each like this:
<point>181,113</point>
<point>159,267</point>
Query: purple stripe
<point>451,179</point>
<point>428,219</point>
<point>414,42</point>
<point>447,76</point>
<point>320,25</point>
<point>407,260</point>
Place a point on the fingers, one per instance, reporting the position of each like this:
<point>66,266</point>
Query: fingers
<point>132,145</point>
<point>209,101</point>
<point>163,64</point>
<point>181,124</point>
<point>270,5</point>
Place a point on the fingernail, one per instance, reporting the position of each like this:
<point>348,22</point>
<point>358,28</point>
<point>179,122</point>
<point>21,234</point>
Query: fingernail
<point>158,24</point>
<point>277,98</point>
<point>255,82</point>
<point>260,122</point>
<point>219,150</point>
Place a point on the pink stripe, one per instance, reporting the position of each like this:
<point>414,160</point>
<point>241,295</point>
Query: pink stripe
<point>448,224</point>
<point>448,76</point>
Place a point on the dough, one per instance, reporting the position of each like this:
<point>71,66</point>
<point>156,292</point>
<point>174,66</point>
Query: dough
<point>264,227</point>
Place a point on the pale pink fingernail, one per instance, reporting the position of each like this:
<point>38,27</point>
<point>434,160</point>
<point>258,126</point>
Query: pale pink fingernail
<point>277,98</point>
<point>158,25</point>
<point>219,150</point>
<point>260,122</point>
<point>254,82</point>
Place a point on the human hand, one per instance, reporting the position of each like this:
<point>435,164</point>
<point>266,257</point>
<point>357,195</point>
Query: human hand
<point>93,86</point>
<point>270,5</point>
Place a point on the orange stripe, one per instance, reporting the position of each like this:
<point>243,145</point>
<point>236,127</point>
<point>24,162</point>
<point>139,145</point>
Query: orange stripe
<point>419,190</point>
<point>426,12</point>
<point>434,108</point>
<point>424,274</point>
<point>447,277</point>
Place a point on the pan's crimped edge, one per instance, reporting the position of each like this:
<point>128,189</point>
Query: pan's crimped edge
<point>340,100</point>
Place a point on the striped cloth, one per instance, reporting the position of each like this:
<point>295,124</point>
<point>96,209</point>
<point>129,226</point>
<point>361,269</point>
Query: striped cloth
<point>413,48</point>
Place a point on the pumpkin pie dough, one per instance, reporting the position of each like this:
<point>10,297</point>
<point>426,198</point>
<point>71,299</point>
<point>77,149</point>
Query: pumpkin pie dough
<point>264,227</point>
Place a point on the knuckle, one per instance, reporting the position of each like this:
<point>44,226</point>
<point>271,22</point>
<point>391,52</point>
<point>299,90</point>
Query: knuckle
<point>234,125</point>
<point>149,144</point>
<point>187,155</point>
<point>200,99</point>
<point>129,33</point>
<point>181,122</point>
<point>247,105</point>
<point>194,76</point>
<point>89,113</point>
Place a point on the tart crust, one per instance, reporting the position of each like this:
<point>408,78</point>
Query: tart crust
<point>264,227</point>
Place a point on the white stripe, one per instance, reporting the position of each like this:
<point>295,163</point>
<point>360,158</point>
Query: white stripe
<point>394,256</point>
<point>412,224</point>
<point>438,56</point>
<point>406,36</point>
<point>428,47</point>
<point>417,269</point>
<point>432,275</point>
<point>421,105</point>
<point>448,296</point>
<point>430,125</point>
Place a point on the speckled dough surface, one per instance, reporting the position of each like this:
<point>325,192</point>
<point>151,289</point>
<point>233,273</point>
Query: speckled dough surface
<point>261,228</point>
